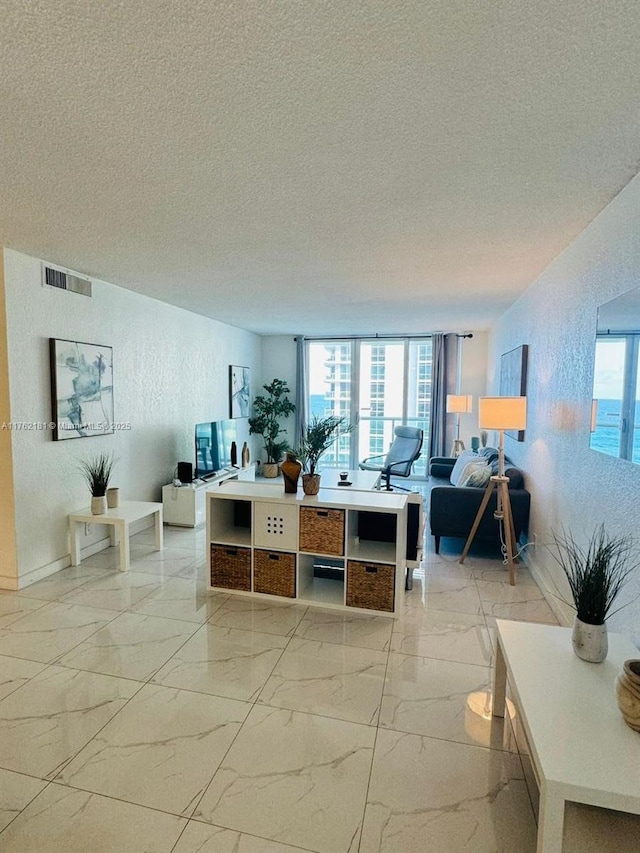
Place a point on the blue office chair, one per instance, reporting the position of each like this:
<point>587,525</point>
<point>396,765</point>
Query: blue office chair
<point>404,451</point>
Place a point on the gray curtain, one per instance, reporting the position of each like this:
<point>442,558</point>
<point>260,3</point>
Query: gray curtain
<point>302,396</point>
<point>438,424</point>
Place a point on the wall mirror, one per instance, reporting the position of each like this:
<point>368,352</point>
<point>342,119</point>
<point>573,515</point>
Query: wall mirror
<point>615,410</point>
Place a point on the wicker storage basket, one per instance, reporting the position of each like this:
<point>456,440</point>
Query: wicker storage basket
<point>322,530</point>
<point>370,585</point>
<point>274,572</point>
<point>231,567</point>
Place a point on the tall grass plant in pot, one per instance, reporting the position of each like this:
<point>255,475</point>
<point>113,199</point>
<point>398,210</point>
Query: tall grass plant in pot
<point>97,472</point>
<point>596,573</point>
<point>317,438</point>
<point>269,409</point>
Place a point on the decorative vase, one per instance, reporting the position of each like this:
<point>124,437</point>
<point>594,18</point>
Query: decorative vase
<point>99,505</point>
<point>628,693</point>
<point>270,469</point>
<point>311,484</point>
<point>291,469</point>
<point>475,443</point>
<point>590,642</point>
<point>245,455</point>
<point>233,454</point>
<point>113,497</point>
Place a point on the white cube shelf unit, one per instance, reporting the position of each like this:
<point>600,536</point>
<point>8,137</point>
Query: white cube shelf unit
<point>343,550</point>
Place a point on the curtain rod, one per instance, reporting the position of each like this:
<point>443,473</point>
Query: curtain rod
<point>377,336</point>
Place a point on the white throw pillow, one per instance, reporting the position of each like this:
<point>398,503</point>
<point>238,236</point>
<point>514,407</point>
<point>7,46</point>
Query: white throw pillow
<point>465,457</point>
<point>476,473</point>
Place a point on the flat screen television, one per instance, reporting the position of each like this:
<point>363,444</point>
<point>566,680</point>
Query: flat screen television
<point>213,447</point>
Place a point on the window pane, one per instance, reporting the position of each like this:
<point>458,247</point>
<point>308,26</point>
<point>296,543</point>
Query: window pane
<point>608,385</point>
<point>379,396</point>
<point>330,392</point>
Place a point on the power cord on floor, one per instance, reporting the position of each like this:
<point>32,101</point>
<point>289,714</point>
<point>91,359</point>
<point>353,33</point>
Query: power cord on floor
<point>503,546</point>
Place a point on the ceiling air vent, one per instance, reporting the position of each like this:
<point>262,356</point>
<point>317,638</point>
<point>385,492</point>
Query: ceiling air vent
<point>65,281</point>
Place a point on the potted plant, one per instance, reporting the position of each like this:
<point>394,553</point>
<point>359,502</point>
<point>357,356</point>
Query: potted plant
<point>268,410</point>
<point>97,472</point>
<point>318,437</point>
<point>596,573</point>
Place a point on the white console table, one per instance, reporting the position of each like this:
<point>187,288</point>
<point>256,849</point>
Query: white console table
<point>359,481</point>
<point>256,532</point>
<point>580,747</point>
<point>118,519</point>
<point>184,505</point>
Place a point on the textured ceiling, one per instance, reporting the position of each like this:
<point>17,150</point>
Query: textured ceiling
<point>326,166</point>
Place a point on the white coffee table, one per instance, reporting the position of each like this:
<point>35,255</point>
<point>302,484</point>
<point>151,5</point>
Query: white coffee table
<point>581,749</point>
<point>119,520</point>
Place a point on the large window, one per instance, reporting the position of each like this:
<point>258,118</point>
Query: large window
<point>375,384</point>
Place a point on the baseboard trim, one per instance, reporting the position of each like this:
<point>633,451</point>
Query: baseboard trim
<point>42,572</point>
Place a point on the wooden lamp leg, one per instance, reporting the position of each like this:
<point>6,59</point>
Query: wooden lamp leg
<point>504,504</point>
<point>485,500</point>
<point>509,533</point>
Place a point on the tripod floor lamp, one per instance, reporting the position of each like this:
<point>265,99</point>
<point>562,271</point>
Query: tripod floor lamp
<point>500,413</point>
<point>459,404</point>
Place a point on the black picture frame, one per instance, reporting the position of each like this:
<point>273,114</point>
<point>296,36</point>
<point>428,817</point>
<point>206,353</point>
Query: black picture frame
<point>513,379</point>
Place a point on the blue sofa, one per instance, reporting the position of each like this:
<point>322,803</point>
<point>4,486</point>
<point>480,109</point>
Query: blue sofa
<point>452,509</point>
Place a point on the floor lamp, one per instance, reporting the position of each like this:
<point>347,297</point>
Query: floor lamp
<point>500,413</point>
<point>458,404</point>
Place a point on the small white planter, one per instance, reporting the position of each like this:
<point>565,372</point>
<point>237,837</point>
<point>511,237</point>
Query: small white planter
<point>270,469</point>
<point>99,505</point>
<point>590,642</point>
<point>113,497</point>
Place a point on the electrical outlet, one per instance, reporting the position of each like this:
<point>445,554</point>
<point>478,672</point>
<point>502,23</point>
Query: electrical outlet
<point>88,528</point>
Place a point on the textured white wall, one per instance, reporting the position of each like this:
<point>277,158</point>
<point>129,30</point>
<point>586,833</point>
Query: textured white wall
<point>570,484</point>
<point>279,361</point>
<point>171,370</point>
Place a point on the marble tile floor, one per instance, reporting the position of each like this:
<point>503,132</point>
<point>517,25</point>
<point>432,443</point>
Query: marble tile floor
<point>141,714</point>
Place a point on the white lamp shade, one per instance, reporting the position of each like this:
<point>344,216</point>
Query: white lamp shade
<point>502,412</point>
<point>460,404</point>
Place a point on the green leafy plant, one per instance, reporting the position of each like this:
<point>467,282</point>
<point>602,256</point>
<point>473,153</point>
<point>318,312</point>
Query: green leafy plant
<point>269,409</point>
<point>97,472</point>
<point>597,572</point>
<point>318,437</point>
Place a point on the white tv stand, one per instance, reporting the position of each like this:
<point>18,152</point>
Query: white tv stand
<point>184,506</point>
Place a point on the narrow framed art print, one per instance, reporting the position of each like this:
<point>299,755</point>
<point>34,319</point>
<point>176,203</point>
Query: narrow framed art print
<point>81,389</point>
<point>239,391</point>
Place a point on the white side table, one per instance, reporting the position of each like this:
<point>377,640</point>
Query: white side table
<point>119,520</point>
<point>580,746</point>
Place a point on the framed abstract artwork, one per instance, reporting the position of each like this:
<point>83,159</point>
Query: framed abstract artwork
<point>513,379</point>
<point>239,391</point>
<point>81,389</point>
